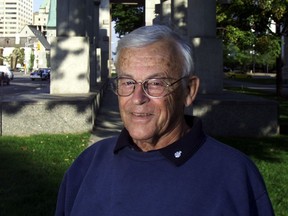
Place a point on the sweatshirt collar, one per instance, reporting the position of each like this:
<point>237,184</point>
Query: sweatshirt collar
<point>178,152</point>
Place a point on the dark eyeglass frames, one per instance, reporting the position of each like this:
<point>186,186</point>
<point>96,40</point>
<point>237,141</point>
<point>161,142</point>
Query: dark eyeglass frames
<point>154,87</point>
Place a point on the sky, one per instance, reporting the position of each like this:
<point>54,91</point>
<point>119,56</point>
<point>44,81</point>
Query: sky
<point>36,4</point>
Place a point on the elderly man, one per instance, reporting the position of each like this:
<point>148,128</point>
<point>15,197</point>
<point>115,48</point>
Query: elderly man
<point>162,163</point>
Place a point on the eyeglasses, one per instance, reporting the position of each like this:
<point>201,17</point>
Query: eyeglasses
<point>154,88</point>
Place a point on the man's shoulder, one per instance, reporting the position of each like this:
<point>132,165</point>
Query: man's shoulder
<point>228,156</point>
<point>98,151</point>
<point>103,146</point>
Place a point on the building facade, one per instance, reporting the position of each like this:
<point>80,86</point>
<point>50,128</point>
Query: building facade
<point>14,15</point>
<point>40,18</point>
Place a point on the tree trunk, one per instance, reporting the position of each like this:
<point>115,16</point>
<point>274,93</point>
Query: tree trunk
<point>279,65</point>
<point>279,80</point>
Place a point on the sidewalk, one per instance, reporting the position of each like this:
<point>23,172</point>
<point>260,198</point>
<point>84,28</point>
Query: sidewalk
<point>108,121</point>
<point>251,85</point>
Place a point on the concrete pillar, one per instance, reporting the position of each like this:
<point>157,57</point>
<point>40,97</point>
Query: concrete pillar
<point>73,51</point>
<point>70,18</point>
<point>93,34</point>
<point>285,59</point>
<point>70,62</point>
<point>179,15</point>
<point>202,18</point>
<point>164,11</point>
<point>150,11</point>
<point>104,36</point>
<point>208,64</point>
<point>207,49</point>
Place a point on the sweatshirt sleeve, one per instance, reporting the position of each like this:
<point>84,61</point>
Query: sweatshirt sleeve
<point>61,200</point>
<point>264,206</point>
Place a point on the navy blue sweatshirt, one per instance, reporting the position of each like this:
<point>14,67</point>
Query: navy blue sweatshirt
<point>196,175</point>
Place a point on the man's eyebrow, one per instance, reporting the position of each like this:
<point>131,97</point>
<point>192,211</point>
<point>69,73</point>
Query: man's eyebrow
<point>124,75</point>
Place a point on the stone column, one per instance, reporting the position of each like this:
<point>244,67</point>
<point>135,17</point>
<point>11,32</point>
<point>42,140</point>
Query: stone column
<point>163,9</point>
<point>93,33</point>
<point>150,11</point>
<point>73,50</point>
<point>179,16</point>
<point>104,37</point>
<point>285,59</point>
<point>207,49</point>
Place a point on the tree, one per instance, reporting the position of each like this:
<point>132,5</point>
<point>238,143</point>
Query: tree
<point>127,18</point>
<point>245,25</point>
<point>31,65</point>
<point>268,49</point>
<point>16,57</point>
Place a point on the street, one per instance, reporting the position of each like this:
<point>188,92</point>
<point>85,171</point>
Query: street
<point>23,85</point>
<point>246,84</point>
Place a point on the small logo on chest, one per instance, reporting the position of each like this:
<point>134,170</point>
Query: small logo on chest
<point>177,154</point>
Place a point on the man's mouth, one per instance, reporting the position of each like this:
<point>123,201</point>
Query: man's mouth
<point>141,114</point>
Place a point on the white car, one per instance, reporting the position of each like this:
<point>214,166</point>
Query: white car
<point>7,71</point>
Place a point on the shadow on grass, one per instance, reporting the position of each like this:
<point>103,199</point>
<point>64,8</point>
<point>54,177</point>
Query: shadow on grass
<point>267,148</point>
<point>30,174</point>
<point>24,186</point>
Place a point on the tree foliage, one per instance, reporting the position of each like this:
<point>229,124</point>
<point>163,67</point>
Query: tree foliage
<point>245,27</point>
<point>127,18</point>
<point>31,64</point>
<point>16,57</point>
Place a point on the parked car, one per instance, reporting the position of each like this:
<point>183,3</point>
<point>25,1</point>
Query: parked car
<point>7,71</point>
<point>238,74</point>
<point>4,78</point>
<point>226,69</point>
<point>41,73</point>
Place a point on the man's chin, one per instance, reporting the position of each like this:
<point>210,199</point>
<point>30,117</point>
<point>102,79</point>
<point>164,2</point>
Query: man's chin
<point>139,135</point>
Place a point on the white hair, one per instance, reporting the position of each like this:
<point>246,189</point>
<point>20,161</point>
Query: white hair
<point>147,35</point>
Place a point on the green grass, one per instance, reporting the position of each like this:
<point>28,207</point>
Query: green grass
<point>31,169</point>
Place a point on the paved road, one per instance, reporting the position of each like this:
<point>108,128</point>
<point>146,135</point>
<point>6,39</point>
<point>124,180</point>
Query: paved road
<point>22,86</point>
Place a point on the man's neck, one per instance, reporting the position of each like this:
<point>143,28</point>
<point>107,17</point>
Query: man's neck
<point>156,143</point>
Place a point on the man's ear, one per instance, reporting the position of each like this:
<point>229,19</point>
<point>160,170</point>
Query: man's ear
<point>192,89</point>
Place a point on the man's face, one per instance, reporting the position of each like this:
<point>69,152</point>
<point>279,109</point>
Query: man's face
<point>150,119</point>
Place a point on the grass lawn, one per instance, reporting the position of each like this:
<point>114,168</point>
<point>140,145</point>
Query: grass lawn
<point>32,167</point>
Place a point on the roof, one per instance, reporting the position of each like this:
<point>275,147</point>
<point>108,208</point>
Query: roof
<point>52,14</point>
<point>40,37</point>
<point>36,33</point>
<point>45,3</point>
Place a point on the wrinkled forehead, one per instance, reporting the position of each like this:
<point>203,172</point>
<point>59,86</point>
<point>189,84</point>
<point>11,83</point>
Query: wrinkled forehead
<point>161,56</point>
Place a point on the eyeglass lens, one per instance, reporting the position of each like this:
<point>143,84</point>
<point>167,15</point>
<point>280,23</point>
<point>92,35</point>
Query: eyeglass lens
<point>152,87</point>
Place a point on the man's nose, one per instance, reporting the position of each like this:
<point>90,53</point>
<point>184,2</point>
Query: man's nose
<point>139,96</point>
